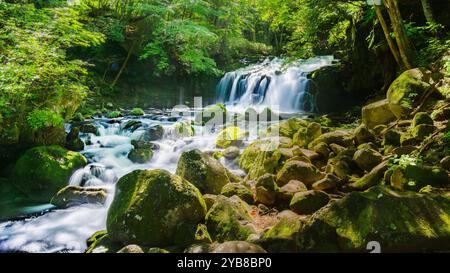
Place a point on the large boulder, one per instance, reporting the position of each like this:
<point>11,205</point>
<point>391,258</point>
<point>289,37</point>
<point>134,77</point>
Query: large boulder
<point>416,176</point>
<point>155,208</point>
<point>42,171</point>
<point>367,159</point>
<point>306,135</point>
<point>205,172</point>
<point>404,222</point>
<point>259,158</point>
<point>298,170</point>
<point>341,137</point>
<point>75,196</point>
<point>281,238</point>
<point>309,202</point>
<point>287,128</point>
<point>405,92</point>
<point>238,189</point>
<point>266,189</point>
<point>230,136</point>
<point>229,219</point>
<point>377,113</point>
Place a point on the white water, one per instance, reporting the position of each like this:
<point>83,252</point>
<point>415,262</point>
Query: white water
<point>67,230</point>
<point>271,84</point>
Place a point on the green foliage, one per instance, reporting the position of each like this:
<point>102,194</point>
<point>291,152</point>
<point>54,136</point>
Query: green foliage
<point>39,119</point>
<point>115,114</point>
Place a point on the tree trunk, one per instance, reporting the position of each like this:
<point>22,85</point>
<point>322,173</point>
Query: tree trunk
<point>124,65</point>
<point>404,46</point>
<point>427,10</point>
<point>387,34</point>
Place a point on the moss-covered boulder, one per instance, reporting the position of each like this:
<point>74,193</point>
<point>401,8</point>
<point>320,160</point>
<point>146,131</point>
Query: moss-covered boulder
<point>306,135</point>
<point>74,196</point>
<point>231,152</point>
<point>422,131</point>
<point>328,183</point>
<point>205,172</point>
<point>284,194</point>
<point>298,170</point>
<point>183,129</point>
<point>215,113</point>
<point>140,155</point>
<point>259,158</point>
<point>282,238</point>
<point>230,136</point>
<point>42,171</point>
<point>309,202</point>
<point>287,128</point>
<point>422,118</point>
<point>403,222</point>
<point>100,242</point>
<point>239,190</point>
<point>340,137</point>
<point>367,159</point>
<point>155,208</point>
<point>137,112</point>
<point>88,128</point>
<point>371,179</point>
<point>377,113</point>
<point>152,133</point>
<point>266,189</point>
<point>73,141</point>
<point>131,249</point>
<point>416,176</point>
<point>405,92</point>
<point>229,219</point>
<point>363,135</point>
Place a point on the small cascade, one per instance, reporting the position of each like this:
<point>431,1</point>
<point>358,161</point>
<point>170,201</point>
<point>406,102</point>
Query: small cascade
<point>271,83</point>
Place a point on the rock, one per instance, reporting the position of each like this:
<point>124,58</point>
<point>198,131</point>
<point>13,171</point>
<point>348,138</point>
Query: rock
<point>132,125</point>
<point>229,219</point>
<point>231,153</point>
<point>157,250</point>
<point>298,170</point>
<point>308,202</point>
<point>304,136</point>
<point>404,93</point>
<point>287,128</point>
<point>445,163</point>
<point>379,129</point>
<point>183,129</point>
<point>404,150</point>
<point>391,138</point>
<point>330,182</point>
<point>266,189</point>
<point>285,193</point>
<point>137,112</point>
<point>230,136</point>
<point>210,199</point>
<point>153,133</point>
<point>215,114</point>
<point>377,113</point>
<point>367,159</point>
<point>140,155</point>
<point>239,190</point>
<point>422,118</point>
<point>238,247</point>
<point>441,114</point>
<point>131,249</point>
<point>100,242</point>
<point>75,196</point>
<point>140,144</point>
<point>340,137</point>
<point>323,150</point>
<point>73,141</point>
<point>47,136</point>
<point>337,149</point>
<point>282,238</point>
<point>88,128</point>
<point>400,222</point>
<point>42,171</point>
<point>205,172</point>
<point>363,135</point>
<point>155,208</point>
<point>371,179</point>
<point>413,177</point>
<point>422,131</point>
<point>259,158</point>
<point>115,114</point>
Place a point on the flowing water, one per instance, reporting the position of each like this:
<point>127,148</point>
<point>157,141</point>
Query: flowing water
<point>66,230</point>
<point>271,83</point>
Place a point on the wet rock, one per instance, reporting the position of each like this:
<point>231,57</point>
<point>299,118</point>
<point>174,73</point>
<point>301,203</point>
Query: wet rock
<point>132,125</point>
<point>74,196</point>
<point>137,112</point>
<point>131,249</point>
<point>377,113</point>
<point>153,133</point>
<point>88,128</point>
<point>183,129</point>
<point>367,159</point>
<point>230,136</point>
<point>140,155</point>
<point>298,170</point>
<point>239,190</point>
<point>400,222</point>
<point>73,141</point>
<point>266,189</point>
<point>330,182</point>
<point>42,171</point>
<point>155,208</point>
<point>139,144</point>
<point>231,153</point>
<point>238,247</point>
<point>229,219</point>
<point>308,202</point>
<point>205,172</point>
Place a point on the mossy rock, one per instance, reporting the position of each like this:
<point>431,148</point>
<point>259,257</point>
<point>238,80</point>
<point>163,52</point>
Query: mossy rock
<point>422,118</point>
<point>282,238</point>
<point>422,131</point>
<point>363,135</point>
<point>298,170</point>
<point>229,219</point>
<point>259,158</point>
<point>230,136</point>
<point>42,171</point>
<point>115,114</point>
<point>415,177</point>
<point>341,137</point>
<point>88,128</point>
<point>309,202</point>
<point>367,159</point>
<point>239,190</point>
<point>73,141</point>
<point>131,249</point>
<point>155,208</point>
<point>287,128</point>
<point>405,92</point>
<point>137,112</point>
<point>205,172</point>
<point>140,156</point>
<point>100,242</point>
<point>377,113</point>
<point>304,136</point>
<point>266,189</point>
<point>183,129</point>
<point>215,113</point>
<point>400,222</point>
<point>154,133</point>
<point>240,247</point>
<point>75,196</point>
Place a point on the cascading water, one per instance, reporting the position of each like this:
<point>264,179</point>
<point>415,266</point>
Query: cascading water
<point>271,83</point>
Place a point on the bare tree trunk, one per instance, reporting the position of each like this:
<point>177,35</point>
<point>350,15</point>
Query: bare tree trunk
<point>428,10</point>
<point>124,65</point>
<point>404,46</point>
<point>387,34</point>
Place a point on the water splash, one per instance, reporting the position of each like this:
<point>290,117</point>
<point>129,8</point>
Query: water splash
<point>272,83</point>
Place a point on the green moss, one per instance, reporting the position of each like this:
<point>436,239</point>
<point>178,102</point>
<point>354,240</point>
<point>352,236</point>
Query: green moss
<point>137,112</point>
<point>230,136</point>
<point>239,190</point>
<point>259,158</point>
<point>115,114</point>
<point>140,156</point>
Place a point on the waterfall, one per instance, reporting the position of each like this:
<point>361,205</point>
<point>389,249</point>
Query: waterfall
<point>273,83</point>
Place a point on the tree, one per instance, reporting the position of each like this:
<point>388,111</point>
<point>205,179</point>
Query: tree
<point>428,10</point>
